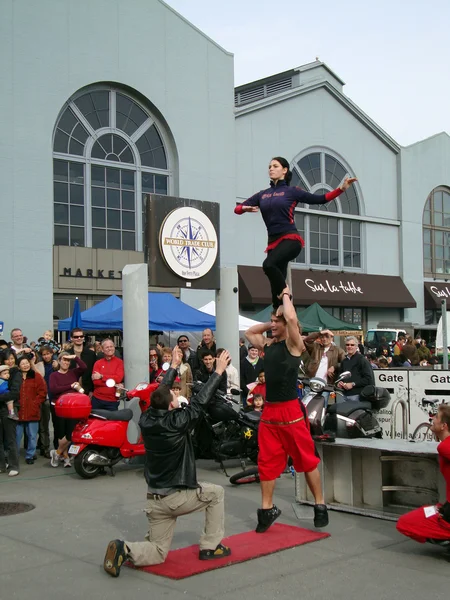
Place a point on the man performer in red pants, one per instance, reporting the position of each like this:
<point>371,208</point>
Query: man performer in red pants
<point>432,523</point>
<point>283,431</point>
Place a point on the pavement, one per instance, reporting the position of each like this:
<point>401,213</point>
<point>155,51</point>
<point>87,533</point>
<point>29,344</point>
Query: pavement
<point>56,550</point>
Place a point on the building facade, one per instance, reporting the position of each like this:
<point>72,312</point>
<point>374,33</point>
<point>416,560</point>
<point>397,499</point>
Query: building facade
<point>99,111</point>
<point>378,253</point>
<point>103,102</point>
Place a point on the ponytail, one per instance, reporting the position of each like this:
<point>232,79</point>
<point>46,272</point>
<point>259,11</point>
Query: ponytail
<point>284,163</point>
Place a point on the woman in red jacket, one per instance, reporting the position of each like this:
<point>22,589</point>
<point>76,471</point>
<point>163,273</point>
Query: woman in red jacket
<point>33,393</point>
<point>277,205</point>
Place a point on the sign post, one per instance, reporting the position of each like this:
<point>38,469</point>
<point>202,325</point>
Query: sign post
<point>444,335</point>
<point>135,323</point>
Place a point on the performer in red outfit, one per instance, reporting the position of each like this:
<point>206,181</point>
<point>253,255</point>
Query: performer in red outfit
<point>432,523</point>
<point>277,205</point>
<point>283,431</point>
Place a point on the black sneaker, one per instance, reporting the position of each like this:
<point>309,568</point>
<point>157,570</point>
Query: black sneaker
<point>220,552</point>
<point>266,517</point>
<point>320,515</point>
<point>115,555</point>
<point>29,461</point>
<point>442,543</point>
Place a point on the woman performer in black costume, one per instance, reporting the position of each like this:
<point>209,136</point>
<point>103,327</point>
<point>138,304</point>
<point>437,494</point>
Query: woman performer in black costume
<point>277,205</point>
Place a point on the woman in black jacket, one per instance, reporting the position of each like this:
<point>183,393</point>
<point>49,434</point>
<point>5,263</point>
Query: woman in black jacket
<point>8,445</point>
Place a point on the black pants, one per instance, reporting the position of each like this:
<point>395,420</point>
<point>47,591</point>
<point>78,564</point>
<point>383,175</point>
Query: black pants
<point>276,264</point>
<point>44,430</point>
<point>8,444</point>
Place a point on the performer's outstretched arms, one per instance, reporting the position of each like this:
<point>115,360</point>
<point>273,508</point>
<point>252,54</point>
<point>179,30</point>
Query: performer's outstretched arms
<point>250,205</point>
<point>309,198</point>
<point>294,340</point>
<point>255,335</point>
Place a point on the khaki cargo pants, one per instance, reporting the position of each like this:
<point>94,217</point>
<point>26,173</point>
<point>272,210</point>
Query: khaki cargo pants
<point>162,516</point>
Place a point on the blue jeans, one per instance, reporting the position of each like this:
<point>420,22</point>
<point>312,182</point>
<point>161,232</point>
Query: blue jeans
<point>354,398</point>
<point>32,429</point>
<point>104,405</point>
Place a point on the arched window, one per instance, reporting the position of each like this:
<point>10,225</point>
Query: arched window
<point>108,151</point>
<point>330,240</point>
<point>436,233</point>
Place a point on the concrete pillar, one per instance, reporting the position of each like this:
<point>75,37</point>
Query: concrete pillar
<point>227,313</point>
<point>135,323</point>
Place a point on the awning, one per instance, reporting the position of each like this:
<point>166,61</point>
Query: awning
<point>435,292</point>
<point>328,289</point>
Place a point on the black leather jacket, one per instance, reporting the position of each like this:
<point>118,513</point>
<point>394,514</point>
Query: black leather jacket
<point>170,461</point>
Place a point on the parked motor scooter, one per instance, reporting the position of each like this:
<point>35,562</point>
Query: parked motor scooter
<point>102,438</point>
<point>345,419</point>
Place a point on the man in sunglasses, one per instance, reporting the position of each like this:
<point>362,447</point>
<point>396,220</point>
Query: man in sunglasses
<point>78,347</point>
<point>359,367</point>
<point>189,354</point>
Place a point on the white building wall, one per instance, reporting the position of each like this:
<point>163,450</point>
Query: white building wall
<point>49,50</point>
<point>425,165</point>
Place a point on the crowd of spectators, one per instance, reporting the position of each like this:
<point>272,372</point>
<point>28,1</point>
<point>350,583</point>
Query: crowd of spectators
<point>33,376</point>
<point>405,352</point>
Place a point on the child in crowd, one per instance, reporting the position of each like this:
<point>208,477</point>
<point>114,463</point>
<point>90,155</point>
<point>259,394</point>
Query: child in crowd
<point>4,388</point>
<point>47,340</point>
<point>257,387</point>
<point>176,389</point>
<point>258,402</point>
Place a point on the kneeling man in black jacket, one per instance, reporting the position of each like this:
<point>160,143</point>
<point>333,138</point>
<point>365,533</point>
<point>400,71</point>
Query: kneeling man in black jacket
<point>171,476</point>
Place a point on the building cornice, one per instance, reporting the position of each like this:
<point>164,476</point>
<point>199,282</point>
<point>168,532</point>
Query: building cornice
<point>343,100</point>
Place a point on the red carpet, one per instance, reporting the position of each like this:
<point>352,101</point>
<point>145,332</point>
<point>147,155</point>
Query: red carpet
<point>184,562</point>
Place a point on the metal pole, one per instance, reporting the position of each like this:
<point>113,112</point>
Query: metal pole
<point>227,313</point>
<point>444,335</point>
<point>135,323</point>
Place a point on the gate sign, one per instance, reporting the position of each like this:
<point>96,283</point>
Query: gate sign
<point>397,384</point>
<point>413,386</point>
<point>1,328</point>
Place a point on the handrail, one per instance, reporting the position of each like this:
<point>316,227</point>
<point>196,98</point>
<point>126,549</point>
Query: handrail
<point>404,406</point>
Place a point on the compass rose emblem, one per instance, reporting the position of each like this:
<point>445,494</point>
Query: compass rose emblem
<point>188,242</point>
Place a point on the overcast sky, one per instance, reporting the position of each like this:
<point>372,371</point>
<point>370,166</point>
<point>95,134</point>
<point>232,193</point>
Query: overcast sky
<point>394,55</point>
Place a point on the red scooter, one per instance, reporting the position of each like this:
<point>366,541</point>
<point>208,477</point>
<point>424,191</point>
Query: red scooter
<point>102,438</point>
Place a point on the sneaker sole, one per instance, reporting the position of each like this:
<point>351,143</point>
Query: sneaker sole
<point>109,560</point>
<point>215,557</point>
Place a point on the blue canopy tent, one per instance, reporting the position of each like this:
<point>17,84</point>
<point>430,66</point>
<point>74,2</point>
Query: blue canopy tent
<point>93,314</point>
<point>167,313</point>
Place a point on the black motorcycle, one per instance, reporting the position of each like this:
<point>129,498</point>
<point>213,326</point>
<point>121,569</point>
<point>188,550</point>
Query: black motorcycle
<point>223,433</point>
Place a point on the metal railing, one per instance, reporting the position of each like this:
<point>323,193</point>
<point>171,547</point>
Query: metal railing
<point>404,406</point>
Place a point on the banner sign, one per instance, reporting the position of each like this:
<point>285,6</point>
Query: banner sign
<point>182,242</point>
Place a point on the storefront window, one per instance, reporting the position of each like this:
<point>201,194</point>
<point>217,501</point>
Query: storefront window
<point>352,315</point>
<point>108,151</point>
<point>63,305</point>
<point>330,240</point>
<point>436,233</point>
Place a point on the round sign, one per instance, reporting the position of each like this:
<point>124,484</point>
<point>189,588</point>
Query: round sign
<point>188,242</point>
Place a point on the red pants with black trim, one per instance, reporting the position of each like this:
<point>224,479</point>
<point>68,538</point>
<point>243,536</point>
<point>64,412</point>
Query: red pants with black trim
<point>283,432</point>
<point>420,528</point>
